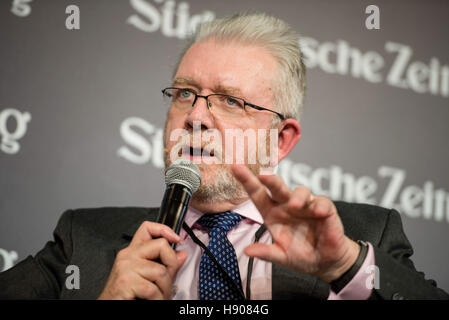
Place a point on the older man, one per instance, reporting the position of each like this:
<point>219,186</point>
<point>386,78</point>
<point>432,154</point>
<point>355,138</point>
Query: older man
<point>247,235</point>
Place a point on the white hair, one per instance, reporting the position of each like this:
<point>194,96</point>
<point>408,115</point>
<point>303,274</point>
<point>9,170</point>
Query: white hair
<point>278,38</point>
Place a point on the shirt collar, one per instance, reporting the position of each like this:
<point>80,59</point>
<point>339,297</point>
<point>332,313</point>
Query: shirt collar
<point>246,209</point>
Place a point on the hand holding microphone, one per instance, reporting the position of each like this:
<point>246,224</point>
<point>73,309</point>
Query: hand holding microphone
<point>147,268</point>
<point>182,178</point>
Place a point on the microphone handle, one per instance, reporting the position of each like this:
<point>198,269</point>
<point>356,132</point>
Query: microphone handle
<point>174,207</point>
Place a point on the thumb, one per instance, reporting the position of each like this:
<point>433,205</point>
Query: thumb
<point>267,252</point>
<point>181,255</point>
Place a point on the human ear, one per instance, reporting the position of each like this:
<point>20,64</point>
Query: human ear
<point>289,135</point>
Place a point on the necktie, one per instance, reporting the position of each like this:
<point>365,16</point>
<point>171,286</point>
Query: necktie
<point>213,284</point>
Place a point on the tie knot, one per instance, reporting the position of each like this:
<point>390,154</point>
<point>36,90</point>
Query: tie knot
<point>225,220</point>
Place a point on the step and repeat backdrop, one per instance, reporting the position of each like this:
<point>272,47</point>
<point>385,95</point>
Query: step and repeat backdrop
<point>81,111</point>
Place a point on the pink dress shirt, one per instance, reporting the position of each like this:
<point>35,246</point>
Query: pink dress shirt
<point>186,283</point>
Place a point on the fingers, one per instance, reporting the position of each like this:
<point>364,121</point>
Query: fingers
<point>303,204</point>
<point>149,230</point>
<point>279,190</point>
<point>125,282</point>
<point>267,252</point>
<point>300,198</point>
<point>249,181</point>
<point>253,187</point>
<point>300,203</point>
<point>149,291</point>
<point>159,249</point>
<point>322,207</point>
<point>135,275</point>
<point>182,257</point>
<point>158,274</point>
<point>162,275</point>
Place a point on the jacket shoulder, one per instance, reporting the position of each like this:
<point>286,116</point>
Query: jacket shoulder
<point>108,220</point>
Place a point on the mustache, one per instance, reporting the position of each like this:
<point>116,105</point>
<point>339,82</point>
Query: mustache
<point>189,144</point>
<point>209,150</point>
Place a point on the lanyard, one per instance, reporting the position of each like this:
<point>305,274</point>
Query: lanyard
<point>259,233</point>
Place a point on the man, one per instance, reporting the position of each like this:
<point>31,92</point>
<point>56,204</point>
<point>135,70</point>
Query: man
<point>239,73</point>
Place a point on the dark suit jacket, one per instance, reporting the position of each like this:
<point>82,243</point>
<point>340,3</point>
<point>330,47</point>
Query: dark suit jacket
<point>91,238</point>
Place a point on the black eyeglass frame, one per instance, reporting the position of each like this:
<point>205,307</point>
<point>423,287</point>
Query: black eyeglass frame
<point>280,115</point>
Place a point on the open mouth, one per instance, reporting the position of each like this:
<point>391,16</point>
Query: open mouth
<point>196,152</point>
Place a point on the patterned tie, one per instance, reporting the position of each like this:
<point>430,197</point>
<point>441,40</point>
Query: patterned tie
<point>213,285</point>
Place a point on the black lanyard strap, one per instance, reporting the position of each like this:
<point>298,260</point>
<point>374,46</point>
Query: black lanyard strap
<point>259,233</point>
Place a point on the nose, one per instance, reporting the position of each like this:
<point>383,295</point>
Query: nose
<point>200,112</point>
<point>201,97</point>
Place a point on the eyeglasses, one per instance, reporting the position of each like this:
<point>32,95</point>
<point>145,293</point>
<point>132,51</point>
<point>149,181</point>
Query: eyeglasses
<point>222,104</point>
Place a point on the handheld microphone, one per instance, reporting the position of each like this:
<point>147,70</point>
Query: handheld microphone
<point>182,178</point>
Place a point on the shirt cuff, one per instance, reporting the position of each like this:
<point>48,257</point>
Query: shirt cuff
<point>361,285</point>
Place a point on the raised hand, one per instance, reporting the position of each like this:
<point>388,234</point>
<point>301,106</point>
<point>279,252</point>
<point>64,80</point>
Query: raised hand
<point>308,235</point>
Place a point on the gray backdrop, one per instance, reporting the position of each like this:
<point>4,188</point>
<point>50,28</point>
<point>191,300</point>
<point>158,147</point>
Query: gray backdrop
<point>81,111</point>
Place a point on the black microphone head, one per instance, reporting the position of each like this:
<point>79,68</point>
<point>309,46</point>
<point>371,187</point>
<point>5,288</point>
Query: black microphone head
<point>183,172</point>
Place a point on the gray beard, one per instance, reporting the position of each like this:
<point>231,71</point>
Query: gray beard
<point>224,187</point>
